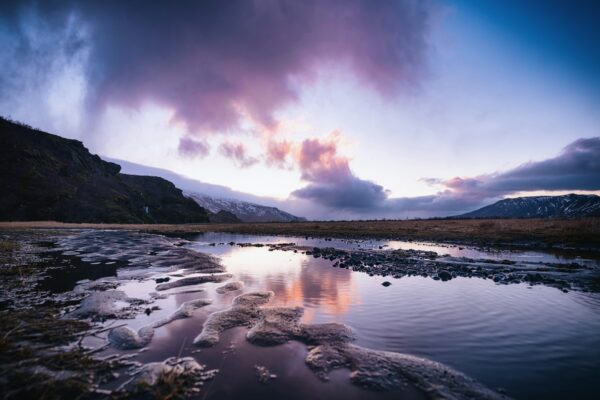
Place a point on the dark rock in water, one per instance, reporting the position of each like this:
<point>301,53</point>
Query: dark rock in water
<point>386,283</point>
<point>444,275</point>
<point>162,280</point>
<point>537,277</point>
<point>45,177</point>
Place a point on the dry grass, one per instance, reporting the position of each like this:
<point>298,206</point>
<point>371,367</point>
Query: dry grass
<point>545,232</point>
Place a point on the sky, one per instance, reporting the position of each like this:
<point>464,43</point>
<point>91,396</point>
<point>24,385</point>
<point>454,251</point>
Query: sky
<point>329,109</point>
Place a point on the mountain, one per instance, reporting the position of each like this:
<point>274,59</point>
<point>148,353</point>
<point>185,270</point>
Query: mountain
<point>224,217</point>
<point>47,177</point>
<point>189,185</point>
<point>245,206</point>
<point>245,211</point>
<point>567,206</point>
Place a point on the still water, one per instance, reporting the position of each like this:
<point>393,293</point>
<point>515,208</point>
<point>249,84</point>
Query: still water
<point>533,342</point>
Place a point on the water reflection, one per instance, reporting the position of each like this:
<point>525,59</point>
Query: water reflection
<point>296,280</point>
<point>535,342</point>
<point>203,241</point>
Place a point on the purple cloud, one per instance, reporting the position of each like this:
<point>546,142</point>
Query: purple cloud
<point>192,148</point>
<point>237,152</point>
<point>332,183</point>
<point>577,167</point>
<point>215,61</point>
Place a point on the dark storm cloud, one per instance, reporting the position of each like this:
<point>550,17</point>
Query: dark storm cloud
<point>214,61</point>
<point>353,193</point>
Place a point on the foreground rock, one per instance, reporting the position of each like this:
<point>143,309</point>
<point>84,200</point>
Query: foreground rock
<point>243,312</point>
<point>230,287</point>
<point>172,378</point>
<point>104,305</point>
<point>125,338</point>
<point>332,348</point>
<point>193,280</point>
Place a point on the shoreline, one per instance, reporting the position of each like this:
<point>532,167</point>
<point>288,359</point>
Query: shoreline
<point>531,234</point>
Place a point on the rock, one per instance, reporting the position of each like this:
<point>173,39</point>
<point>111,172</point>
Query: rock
<point>125,338</point>
<point>386,283</point>
<point>275,325</point>
<point>230,287</point>
<point>243,312</point>
<point>444,275</point>
<point>102,305</point>
<point>193,280</point>
<point>183,376</point>
<point>264,375</point>
<point>184,311</point>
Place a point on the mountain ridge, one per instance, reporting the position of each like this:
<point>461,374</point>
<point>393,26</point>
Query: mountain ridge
<point>565,206</point>
<point>244,210</point>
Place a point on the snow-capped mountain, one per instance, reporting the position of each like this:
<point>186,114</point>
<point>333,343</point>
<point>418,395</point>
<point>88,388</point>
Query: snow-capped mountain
<point>247,212</point>
<point>567,206</point>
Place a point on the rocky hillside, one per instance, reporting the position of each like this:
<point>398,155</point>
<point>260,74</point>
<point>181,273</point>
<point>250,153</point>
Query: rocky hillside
<point>47,177</point>
<point>245,211</point>
<point>567,206</point>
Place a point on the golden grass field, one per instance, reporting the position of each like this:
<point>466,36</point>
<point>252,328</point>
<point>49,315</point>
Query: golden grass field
<point>542,232</point>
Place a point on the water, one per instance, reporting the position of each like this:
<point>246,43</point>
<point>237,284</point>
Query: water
<point>534,342</point>
<point>551,256</point>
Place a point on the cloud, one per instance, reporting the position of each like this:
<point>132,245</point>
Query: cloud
<point>332,183</point>
<point>237,152</point>
<point>192,148</point>
<point>277,153</point>
<point>577,167</point>
<point>215,62</point>
<point>334,186</point>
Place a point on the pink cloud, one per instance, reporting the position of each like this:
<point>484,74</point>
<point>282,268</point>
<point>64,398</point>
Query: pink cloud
<point>237,152</point>
<point>278,153</point>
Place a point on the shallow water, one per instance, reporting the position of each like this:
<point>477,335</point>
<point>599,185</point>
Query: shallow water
<point>533,342</point>
<point>529,256</point>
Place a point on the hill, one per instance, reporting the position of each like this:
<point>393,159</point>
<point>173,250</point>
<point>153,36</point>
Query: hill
<point>47,177</point>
